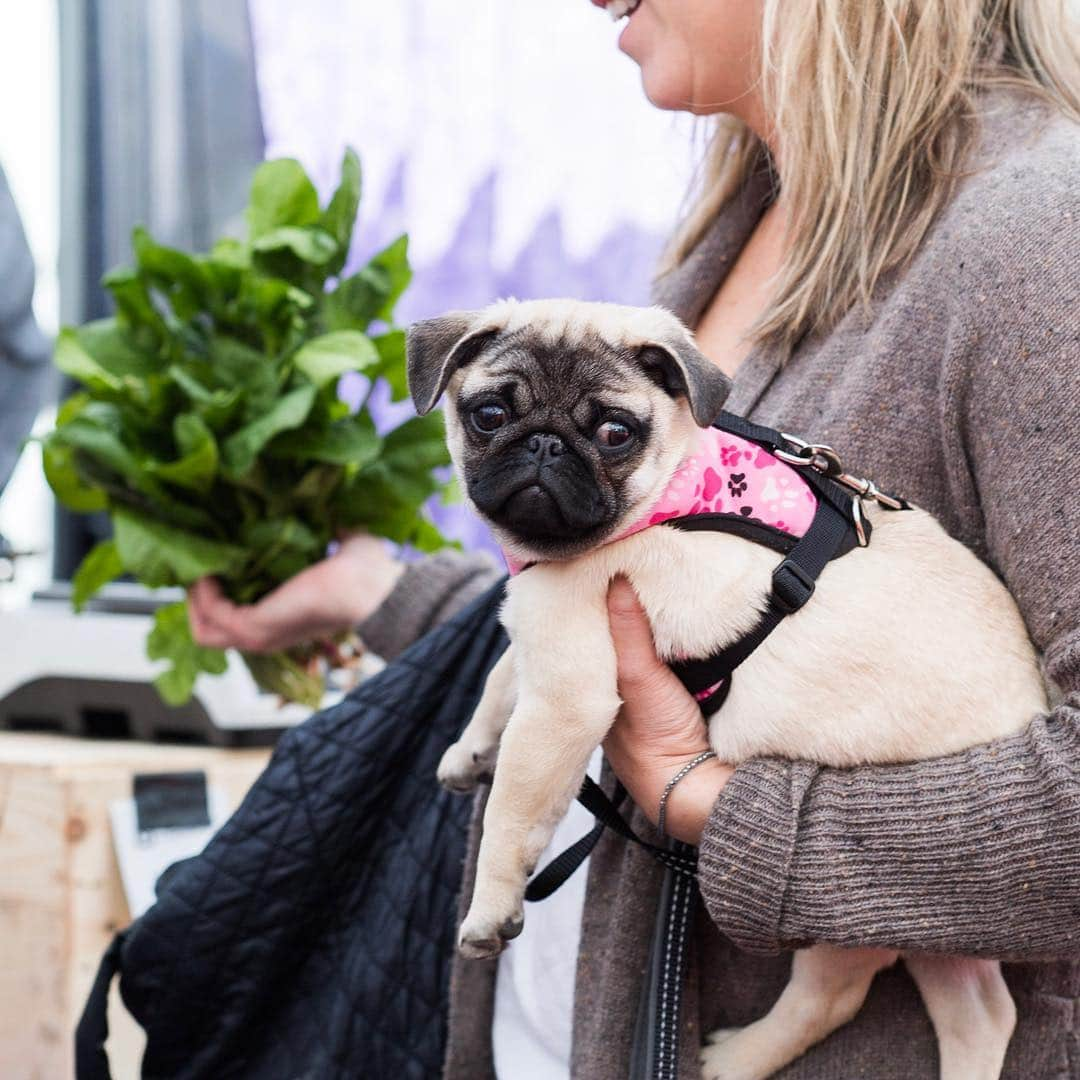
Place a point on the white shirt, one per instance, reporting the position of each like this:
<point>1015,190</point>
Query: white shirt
<point>534,988</point>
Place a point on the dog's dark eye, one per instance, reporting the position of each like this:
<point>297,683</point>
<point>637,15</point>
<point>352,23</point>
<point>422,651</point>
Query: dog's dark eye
<point>612,435</point>
<point>489,417</point>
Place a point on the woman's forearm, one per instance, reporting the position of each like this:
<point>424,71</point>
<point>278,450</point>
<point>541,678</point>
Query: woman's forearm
<point>977,853</point>
<point>428,593</point>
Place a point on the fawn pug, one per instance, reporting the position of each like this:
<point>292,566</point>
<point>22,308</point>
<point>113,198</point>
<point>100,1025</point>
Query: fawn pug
<point>566,422</point>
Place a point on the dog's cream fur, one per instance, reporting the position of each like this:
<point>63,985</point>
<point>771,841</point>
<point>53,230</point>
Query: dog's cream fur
<point>910,648</point>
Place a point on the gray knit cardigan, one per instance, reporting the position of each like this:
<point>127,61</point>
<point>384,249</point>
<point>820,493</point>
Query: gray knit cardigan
<point>962,391</point>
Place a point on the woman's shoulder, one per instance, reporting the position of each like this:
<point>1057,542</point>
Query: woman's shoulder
<point>1016,210</point>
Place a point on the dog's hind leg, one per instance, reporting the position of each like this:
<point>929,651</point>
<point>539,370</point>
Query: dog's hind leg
<point>472,758</point>
<point>972,1012</point>
<point>827,988</point>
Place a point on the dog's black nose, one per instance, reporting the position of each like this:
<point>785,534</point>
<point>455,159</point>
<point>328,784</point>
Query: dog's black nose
<point>543,447</point>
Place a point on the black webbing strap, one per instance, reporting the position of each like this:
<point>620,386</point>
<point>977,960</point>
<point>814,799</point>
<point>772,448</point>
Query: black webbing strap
<point>92,1032</point>
<point>793,583</point>
<point>606,812</point>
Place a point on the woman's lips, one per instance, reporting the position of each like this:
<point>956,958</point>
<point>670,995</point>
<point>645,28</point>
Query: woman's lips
<point>617,9</point>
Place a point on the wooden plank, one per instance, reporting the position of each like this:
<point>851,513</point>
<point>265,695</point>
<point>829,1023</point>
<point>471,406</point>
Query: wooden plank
<point>61,899</point>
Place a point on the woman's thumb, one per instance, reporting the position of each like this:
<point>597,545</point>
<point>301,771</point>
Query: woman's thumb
<point>634,648</point>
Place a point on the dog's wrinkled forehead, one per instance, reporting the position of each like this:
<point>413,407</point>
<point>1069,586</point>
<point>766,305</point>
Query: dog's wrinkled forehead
<point>616,325</point>
<point>558,366</point>
<point>568,341</point>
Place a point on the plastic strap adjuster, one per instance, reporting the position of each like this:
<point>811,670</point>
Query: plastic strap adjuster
<point>792,586</point>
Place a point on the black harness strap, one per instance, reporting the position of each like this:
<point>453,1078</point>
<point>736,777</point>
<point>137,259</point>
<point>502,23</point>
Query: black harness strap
<point>606,812</point>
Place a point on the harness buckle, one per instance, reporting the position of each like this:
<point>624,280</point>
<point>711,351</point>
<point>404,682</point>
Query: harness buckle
<point>792,586</point>
<point>817,456</point>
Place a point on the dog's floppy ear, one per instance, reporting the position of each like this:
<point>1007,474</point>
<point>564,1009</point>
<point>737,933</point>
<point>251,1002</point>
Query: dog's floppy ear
<point>436,348</point>
<point>679,368</point>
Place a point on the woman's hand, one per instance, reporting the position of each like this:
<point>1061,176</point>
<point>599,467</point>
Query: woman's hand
<point>659,728</point>
<point>333,595</point>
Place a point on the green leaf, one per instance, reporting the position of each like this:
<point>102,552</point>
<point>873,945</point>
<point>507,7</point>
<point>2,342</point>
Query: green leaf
<point>312,245</point>
<point>417,446</point>
<point>289,412</point>
<point>281,194</point>
<point>216,407</point>
<point>159,554</point>
<point>280,674</point>
<point>229,253</point>
<point>374,501</point>
<point>372,292</point>
<point>251,372</point>
<point>426,537</point>
<point>339,217</point>
<point>97,433</point>
<point>197,465</point>
<point>180,276</point>
<point>318,483</point>
<point>283,533</point>
<point>170,639</point>
<point>101,565</point>
<point>116,349</point>
<point>393,262</point>
<point>132,299</point>
<point>325,359</point>
<point>452,495</point>
<point>351,441</point>
<point>73,359</point>
<point>58,460</point>
<point>392,368</point>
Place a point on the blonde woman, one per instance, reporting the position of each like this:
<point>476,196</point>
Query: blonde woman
<point>884,253</point>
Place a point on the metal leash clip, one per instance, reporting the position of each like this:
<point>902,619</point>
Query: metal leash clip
<point>825,460</point>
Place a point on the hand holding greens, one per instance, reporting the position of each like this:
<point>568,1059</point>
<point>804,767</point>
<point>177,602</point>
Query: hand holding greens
<point>209,425</point>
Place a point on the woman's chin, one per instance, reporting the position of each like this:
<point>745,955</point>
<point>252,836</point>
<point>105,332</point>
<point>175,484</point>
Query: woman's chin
<point>665,89</point>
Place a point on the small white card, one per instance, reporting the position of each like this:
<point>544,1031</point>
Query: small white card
<point>144,856</point>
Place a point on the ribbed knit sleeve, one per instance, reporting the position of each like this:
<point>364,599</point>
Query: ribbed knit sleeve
<point>427,594</point>
<point>978,852</point>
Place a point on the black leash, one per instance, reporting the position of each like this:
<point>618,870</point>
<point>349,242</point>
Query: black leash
<point>837,528</point>
<point>606,812</point>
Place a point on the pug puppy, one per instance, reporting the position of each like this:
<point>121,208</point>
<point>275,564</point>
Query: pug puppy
<point>566,421</point>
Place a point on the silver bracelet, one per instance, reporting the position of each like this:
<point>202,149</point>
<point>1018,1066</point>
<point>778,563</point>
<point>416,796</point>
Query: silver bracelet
<point>688,767</point>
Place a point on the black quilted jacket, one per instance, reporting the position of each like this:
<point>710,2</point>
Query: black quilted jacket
<point>312,938</point>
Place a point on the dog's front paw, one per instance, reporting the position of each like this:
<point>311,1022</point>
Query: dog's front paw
<point>462,768</point>
<point>729,1057</point>
<point>483,937</point>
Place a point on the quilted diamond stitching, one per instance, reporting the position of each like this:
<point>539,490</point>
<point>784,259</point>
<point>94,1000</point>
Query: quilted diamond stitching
<point>312,937</point>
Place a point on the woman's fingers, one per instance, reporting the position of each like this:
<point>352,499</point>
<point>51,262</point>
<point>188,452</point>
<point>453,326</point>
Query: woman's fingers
<point>202,602</point>
<point>217,623</point>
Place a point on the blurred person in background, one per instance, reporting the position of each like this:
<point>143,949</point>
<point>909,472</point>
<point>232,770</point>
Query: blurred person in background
<point>883,254</point>
<point>25,373</point>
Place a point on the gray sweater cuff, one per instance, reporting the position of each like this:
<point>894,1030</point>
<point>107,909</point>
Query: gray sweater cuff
<point>747,847</point>
<point>428,593</point>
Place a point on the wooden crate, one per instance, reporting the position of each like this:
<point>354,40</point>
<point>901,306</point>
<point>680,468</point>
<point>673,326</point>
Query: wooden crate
<point>61,899</point>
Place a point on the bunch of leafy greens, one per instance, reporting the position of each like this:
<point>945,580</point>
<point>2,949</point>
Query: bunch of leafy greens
<point>209,425</point>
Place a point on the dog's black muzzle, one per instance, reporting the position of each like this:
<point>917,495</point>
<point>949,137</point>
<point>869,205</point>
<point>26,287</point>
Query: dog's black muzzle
<point>541,490</point>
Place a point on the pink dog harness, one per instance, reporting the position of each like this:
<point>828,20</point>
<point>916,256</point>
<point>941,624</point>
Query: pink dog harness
<point>728,476</point>
<point>774,490</point>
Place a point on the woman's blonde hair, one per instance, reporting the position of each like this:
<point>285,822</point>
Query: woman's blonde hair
<point>874,101</point>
